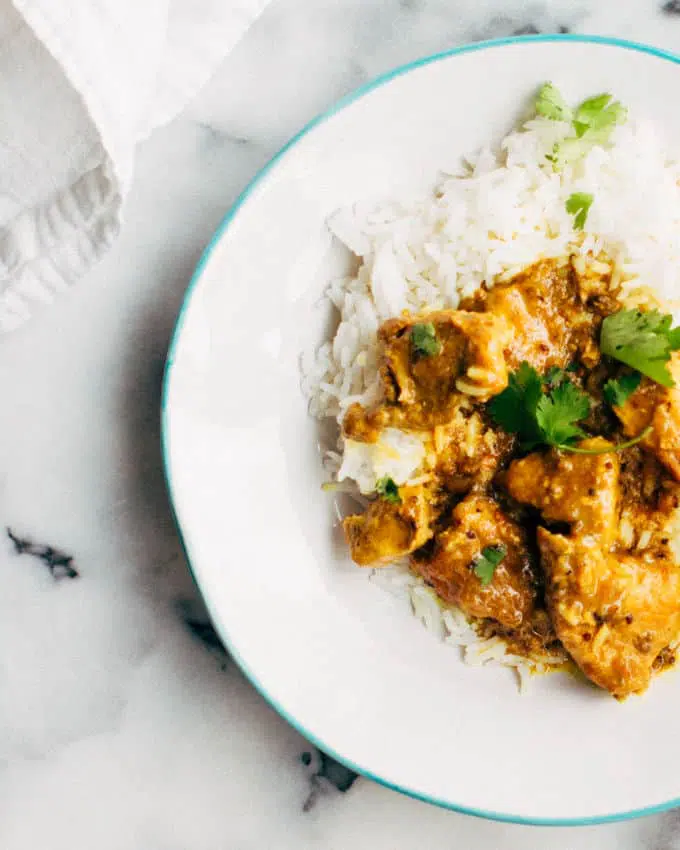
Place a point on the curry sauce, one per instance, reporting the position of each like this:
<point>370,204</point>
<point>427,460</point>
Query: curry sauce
<point>585,534</point>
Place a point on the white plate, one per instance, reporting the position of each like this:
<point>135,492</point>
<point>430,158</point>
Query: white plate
<point>342,660</point>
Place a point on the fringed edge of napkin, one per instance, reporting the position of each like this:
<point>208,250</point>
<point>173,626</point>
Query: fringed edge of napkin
<point>47,246</point>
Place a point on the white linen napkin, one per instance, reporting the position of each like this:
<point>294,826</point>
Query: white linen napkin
<point>82,82</point>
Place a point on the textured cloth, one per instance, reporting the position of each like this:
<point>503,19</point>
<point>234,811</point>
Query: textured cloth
<point>82,82</point>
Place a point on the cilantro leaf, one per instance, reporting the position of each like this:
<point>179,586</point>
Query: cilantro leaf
<point>578,204</point>
<point>567,152</point>
<point>424,340</point>
<point>617,393</point>
<point>387,489</point>
<point>514,409</point>
<point>598,114</point>
<point>544,413</point>
<point>642,340</point>
<point>554,376</point>
<point>541,411</point>
<point>550,104</point>
<point>592,124</point>
<point>557,414</point>
<point>485,563</point>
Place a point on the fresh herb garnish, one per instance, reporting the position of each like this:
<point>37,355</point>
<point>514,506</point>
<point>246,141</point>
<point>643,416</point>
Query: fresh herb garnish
<point>592,123</point>
<point>543,413</point>
<point>387,489</point>
<point>424,340</point>
<point>578,204</point>
<point>515,408</point>
<point>485,563</point>
<point>598,115</point>
<point>540,411</point>
<point>554,376</point>
<point>558,413</point>
<point>616,447</point>
<point>550,104</point>
<point>643,341</point>
<point>617,392</point>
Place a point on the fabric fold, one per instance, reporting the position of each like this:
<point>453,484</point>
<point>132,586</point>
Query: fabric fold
<point>82,84</point>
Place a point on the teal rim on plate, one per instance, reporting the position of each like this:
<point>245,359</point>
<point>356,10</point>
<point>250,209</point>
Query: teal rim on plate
<point>222,628</point>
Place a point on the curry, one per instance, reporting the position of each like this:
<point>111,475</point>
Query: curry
<point>553,531</point>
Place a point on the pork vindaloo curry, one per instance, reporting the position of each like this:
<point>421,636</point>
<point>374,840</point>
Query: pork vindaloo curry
<point>547,507</point>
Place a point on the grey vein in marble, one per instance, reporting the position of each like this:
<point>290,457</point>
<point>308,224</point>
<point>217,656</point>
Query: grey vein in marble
<point>59,564</point>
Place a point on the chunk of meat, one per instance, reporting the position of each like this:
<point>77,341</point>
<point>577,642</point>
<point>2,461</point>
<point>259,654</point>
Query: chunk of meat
<point>484,371</point>
<point>365,426</point>
<point>582,490</point>
<point>544,308</point>
<point>614,613</point>
<point>652,404</point>
<point>611,586</point>
<point>478,522</point>
<point>470,359</point>
<point>422,391</point>
<point>389,530</point>
<point>548,315</point>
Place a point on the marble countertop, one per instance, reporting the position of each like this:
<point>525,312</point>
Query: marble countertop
<point>125,726</point>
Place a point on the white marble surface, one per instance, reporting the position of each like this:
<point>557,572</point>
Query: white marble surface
<point>123,726</point>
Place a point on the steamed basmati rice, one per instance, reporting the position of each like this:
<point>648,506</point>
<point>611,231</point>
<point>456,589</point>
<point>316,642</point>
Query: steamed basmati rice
<point>503,213</point>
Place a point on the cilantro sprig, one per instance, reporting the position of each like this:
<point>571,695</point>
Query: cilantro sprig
<point>558,412</point>
<point>642,340</point>
<point>598,115</point>
<point>546,412</point>
<point>554,376</point>
<point>578,204</point>
<point>592,123</point>
<point>617,392</point>
<point>550,104</point>
<point>515,408</point>
<point>540,411</point>
<point>424,340</point>
<point>388,490</point>
<point>484,565</point>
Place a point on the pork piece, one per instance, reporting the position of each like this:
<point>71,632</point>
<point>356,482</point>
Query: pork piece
<point>614,613</point>
<point>652,404</point>
<point>388,530</point>
<point>478,522</point>
<point>544,307</point>
<point>582,490</point>
<point>422,390</point>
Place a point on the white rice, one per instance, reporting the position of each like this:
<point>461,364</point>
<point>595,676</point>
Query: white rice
<point>504,212</point>
<point>396,455</point>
